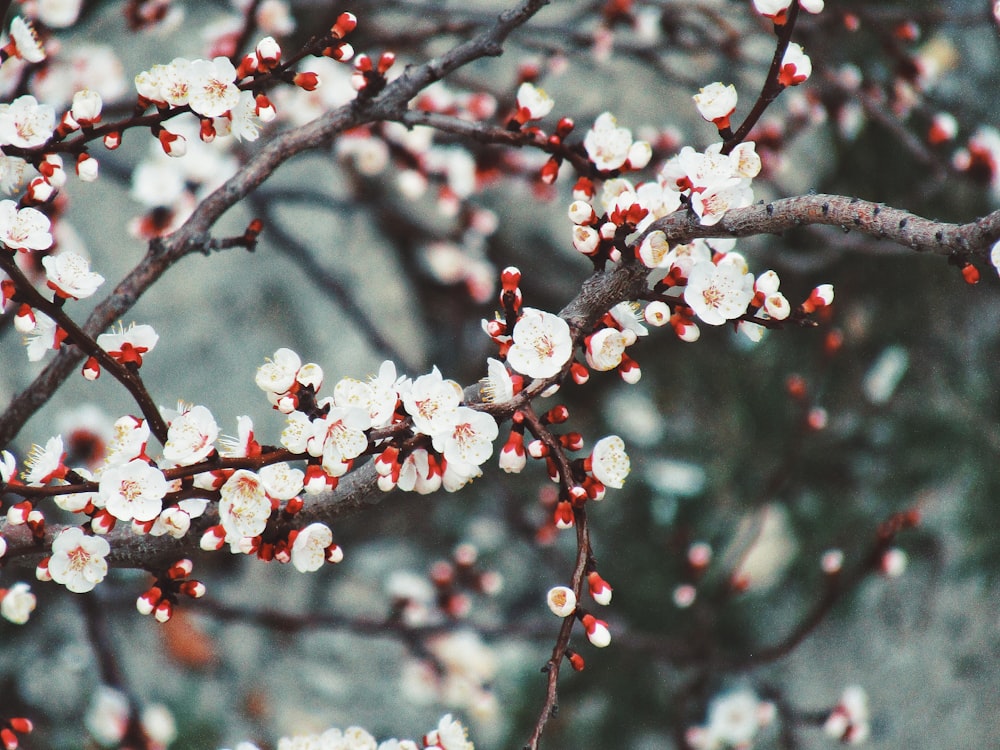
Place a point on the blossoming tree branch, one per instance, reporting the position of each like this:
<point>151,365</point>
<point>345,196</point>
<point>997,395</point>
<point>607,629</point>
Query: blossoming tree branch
<point>657,220</point>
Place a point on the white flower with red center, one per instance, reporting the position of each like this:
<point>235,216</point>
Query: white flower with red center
<point>699,169</point>
<point>166,84</point>
<point>17,603</point>
<point>191,437</point>
<point>716,102</point>
<point>25,123</point>
<point>281,481</point>
<point>532,103</point>
<point>128,440</point>
<point>45,464</point>
<point>340,435</point>
<point>70,276</point>
<point>718,293</point>
<point>43,338</point>
<point>244,506</point>
<point>377,398</point>
<point>129,345</point>
<point>608,145</point>
<point>767,296</point>
<point>605,349</point>
<point>309,547</point>
<point>133,491</point>
<point>77,560</point>
<point>712,203</point>
<point>431,401</point>
<point>609,463</point>
<point>277,375</point>
<point>542,344</point>
<point>796,66</point>
<point>469,440</point>
<point>25,228</point>
<point>212,89</point>
<point>449,735</point>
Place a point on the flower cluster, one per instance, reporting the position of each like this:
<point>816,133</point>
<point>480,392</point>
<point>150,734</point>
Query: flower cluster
<point>449,734</point>
<point>612,148</point>
<point>734,718</point>
<point>713,180</point>
<point>447,440</point>
<point>715,284</point>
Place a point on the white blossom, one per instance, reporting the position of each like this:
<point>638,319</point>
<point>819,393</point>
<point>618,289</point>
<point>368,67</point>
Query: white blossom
<point>77,560</point>
<point>542,344</point>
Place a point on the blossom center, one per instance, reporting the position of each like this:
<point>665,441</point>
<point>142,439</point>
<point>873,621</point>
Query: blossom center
<point>130,489</point>
<point>545,346</point>
<point>79,558</point>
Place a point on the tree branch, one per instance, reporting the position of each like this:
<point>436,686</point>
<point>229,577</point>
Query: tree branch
<point>192,236</point>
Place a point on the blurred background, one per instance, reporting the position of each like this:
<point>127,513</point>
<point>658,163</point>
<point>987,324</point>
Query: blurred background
<point>388,245</point>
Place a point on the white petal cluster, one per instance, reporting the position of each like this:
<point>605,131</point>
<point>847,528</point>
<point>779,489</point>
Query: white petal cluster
<point>209,88</point>
<point>716,101</point>
<point>78,561</point>
<point>718,292</point>
<point>796,66</point>
<point>611,147</point>
<point>129,344</point>
<point>133,490</point>
<point>532,102</point>
<point>715,182</point>
<point>448,735</point>
<point>25,123</point>
<point>461,437</point>
<point>70,275</point>
<point>309,547</point>
<point>244,506</point>
<point>24,228</point>
<point>609,462</point>
<point>191,437</point>
<point>542,344</point>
